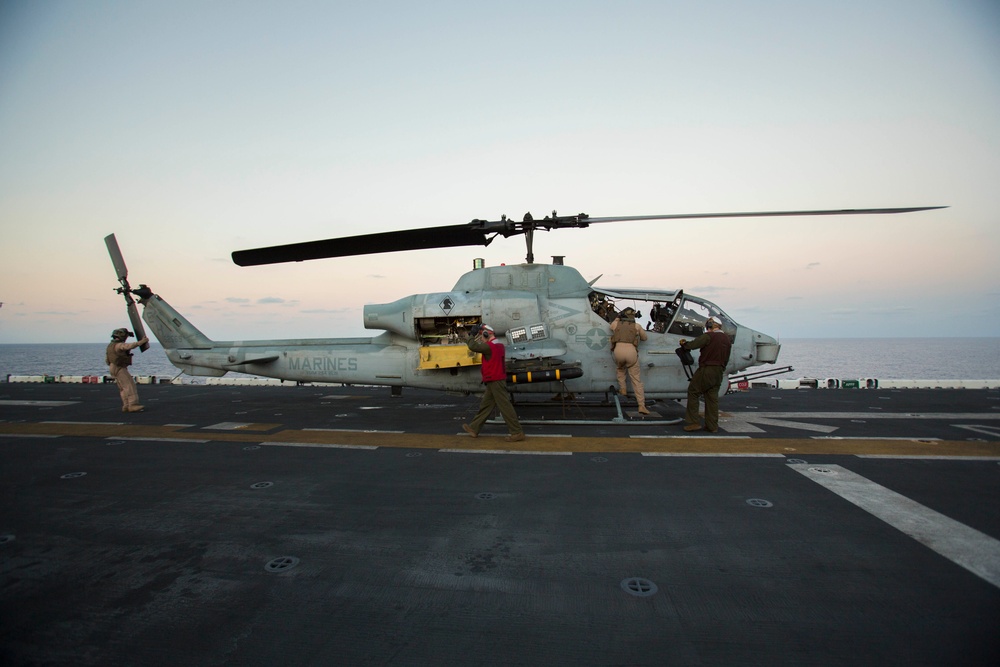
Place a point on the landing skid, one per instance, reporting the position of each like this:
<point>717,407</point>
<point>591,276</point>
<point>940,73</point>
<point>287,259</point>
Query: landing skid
<point>568,400</point>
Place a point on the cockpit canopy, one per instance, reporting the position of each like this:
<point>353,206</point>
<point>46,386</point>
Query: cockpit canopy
<point>662,311</point>
<point>691,316</point>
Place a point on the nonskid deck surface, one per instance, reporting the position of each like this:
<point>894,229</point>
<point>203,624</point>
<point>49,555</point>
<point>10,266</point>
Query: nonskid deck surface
<point>918,415</point>
<point>341,525</point>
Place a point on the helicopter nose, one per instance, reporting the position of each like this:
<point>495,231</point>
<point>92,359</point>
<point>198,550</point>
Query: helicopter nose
<point>767,348</point>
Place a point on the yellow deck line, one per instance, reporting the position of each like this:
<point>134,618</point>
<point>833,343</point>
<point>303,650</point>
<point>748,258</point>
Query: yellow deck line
<point>719,445</point>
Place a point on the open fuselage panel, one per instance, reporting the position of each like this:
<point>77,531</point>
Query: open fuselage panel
<point>443,341</point>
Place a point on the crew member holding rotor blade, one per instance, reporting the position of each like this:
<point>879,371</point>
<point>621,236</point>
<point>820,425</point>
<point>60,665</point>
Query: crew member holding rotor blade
<point>119,358</point>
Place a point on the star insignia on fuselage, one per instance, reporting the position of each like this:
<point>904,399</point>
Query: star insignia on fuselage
<point>595,339</point>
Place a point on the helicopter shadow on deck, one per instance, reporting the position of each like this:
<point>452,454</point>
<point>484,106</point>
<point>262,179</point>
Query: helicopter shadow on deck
<point>567,407</point>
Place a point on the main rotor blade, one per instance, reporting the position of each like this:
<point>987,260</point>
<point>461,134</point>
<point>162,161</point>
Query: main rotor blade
<point>365,244</point>
<point>768,214</point>
<point>482,232</point>
<point>116,257</point>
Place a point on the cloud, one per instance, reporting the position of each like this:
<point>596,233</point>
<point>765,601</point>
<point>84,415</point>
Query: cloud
<point>891,310</point>
<point>710,290</point>
<point>235,299</point>
<point>328,311</point>
<point>812,265</point>
<point>270,299</point>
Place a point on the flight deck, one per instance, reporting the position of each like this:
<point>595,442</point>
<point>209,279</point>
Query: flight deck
<point>318,525</point>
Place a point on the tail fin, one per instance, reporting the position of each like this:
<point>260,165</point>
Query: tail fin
<point>170,327</point>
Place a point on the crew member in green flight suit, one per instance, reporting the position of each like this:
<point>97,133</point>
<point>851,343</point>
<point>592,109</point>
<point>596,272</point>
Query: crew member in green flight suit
<point>715,348</point>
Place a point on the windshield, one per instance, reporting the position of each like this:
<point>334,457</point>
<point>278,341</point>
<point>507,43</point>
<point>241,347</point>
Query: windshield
<point>691,317</point>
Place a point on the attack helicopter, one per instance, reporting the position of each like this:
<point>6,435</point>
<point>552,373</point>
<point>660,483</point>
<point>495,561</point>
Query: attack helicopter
<point>556,324</point>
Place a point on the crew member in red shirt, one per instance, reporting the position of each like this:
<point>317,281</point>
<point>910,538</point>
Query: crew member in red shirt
<point>494,373</point>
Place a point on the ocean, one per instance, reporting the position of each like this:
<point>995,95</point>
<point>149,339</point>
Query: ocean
<point>839,358</point>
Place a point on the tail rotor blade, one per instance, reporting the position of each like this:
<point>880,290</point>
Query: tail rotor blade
<point>116,257</point>
<point>133,316</point>
<point>125,290</point>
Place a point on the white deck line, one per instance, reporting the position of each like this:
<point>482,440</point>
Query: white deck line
<point>720,455</point>
<point>503,451</point>
<point>975,551</point>
<point>152,439</point>
<point>318,444</point>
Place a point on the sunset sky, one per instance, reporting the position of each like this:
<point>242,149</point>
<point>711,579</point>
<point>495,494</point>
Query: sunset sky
<point>193,129</point>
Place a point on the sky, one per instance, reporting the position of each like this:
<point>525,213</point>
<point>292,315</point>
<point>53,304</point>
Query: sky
<point>192,129</point>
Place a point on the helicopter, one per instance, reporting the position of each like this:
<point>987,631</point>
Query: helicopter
<point>555,324</point>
